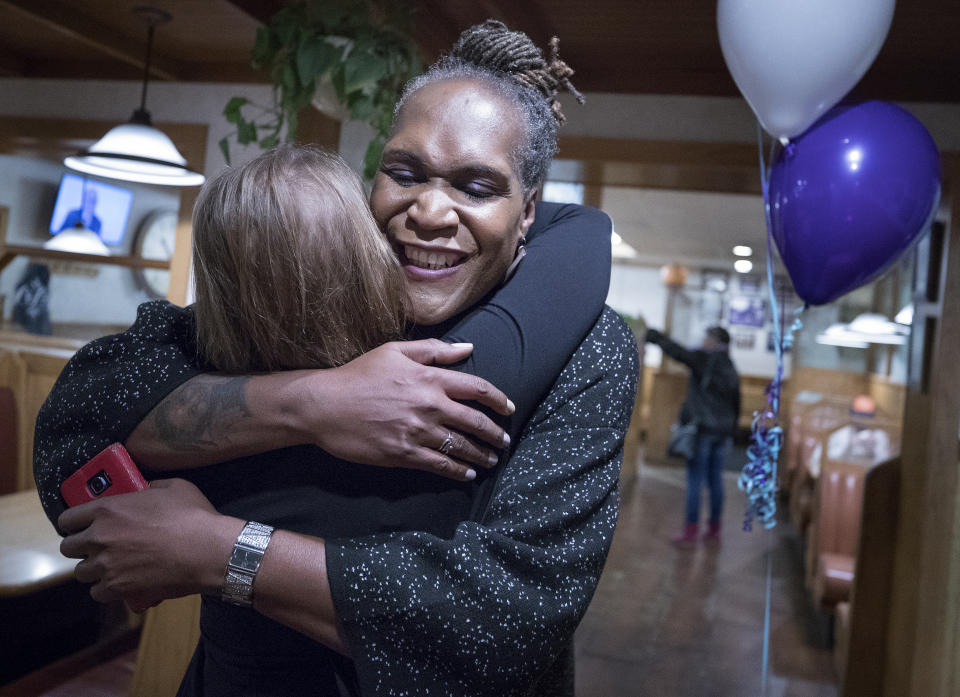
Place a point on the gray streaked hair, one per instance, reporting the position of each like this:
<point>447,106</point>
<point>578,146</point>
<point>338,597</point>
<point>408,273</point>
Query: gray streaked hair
<point>511,66</point>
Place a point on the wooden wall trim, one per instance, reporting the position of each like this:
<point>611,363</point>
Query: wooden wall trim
<point>659,164</point>
<point>924,632</point>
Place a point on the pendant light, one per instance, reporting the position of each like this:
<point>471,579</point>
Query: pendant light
<point>136,151</point>
<point>78,239</point>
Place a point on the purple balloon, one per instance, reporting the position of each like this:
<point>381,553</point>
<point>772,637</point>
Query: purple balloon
<point>850,195</point>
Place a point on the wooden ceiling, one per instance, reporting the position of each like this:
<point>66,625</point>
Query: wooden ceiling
<point>626,46</point>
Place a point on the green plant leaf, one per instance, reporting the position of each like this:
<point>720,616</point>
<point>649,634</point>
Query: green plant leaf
<point>232,110</point>
<point>363,47</point>
<point>337,79</point>
<point>361,107</point>
<point>371,161</point>
<point>269,141</point>
<point>289,82</point>
<point>225,149</point>
<point>315,57</point>
<point>293,120</point>
<point>286,23</point>
<point>246,132</point>
<point>265,47</point>
<point>363,70</point>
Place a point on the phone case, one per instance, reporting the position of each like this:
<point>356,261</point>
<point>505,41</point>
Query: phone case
<point>110,472</point>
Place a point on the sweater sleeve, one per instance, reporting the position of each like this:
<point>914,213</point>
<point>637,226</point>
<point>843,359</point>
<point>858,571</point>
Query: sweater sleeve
<point>490,610</point>
<point>526,331</point>
<point>106,389</point>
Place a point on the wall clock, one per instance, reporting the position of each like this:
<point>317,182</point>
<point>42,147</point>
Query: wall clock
<point>155,239</point>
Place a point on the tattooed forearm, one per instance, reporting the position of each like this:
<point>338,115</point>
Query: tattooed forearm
<point>202,414</point>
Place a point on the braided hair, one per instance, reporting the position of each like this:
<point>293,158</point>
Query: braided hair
<point>512,66</point>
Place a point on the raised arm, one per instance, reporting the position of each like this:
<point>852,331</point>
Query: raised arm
<point>672,348</point>
<point>522,337</point>
<point>525,334</point>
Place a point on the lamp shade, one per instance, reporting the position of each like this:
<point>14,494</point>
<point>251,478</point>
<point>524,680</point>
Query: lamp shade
<point>136,152</point>
<point>78,240</point>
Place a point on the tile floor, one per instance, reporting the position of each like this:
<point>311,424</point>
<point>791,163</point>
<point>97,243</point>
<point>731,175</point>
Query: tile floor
<point>666,622</point>
<point>689,623</point>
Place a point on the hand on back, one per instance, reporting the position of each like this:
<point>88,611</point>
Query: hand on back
<point>391,408</point>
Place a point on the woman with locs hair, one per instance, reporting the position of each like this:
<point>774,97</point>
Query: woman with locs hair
<point>380,580</point>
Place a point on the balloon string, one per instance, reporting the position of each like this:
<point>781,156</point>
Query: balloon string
<point>766,628</point>
<point>758,480</point>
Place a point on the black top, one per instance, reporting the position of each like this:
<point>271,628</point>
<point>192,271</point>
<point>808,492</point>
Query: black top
<point>713,391</point>
<point>522,336</point>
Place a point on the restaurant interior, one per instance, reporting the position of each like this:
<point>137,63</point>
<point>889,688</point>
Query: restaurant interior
<point>852,590</point>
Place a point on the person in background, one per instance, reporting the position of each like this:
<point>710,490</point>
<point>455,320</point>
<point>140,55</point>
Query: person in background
<point>713,405</point>
<point>86,215</point>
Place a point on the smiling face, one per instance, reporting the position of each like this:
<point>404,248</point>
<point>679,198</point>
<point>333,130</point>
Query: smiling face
<point>448,197</point>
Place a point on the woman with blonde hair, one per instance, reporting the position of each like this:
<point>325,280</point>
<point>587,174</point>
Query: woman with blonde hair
<point>291,270</point>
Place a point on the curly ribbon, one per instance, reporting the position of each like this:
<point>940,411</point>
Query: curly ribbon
<point>758,480</point>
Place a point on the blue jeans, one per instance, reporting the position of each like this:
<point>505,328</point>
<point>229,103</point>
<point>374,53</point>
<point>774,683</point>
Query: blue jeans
<point>707,463</point>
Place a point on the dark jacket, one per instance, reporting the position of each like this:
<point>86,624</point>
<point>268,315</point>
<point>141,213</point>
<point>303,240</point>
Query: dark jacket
<point>713,392</point>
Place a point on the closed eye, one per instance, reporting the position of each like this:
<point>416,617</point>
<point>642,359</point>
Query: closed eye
<point>478,192</point>
<point>404,176</point>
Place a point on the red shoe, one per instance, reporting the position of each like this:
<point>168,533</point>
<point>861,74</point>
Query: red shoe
<point>687,538</point>
<point>713,533</point>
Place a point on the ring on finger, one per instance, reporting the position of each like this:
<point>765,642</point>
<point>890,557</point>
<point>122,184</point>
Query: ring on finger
<point>447,444</point>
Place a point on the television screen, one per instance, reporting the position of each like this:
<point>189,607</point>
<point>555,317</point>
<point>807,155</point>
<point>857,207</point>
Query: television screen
<point>102,208</point>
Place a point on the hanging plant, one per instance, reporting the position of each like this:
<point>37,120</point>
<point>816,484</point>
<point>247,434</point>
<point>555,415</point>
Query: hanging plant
<point>349,57</point>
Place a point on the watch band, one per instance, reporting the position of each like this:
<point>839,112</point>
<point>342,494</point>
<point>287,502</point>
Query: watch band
<point>244,563</point>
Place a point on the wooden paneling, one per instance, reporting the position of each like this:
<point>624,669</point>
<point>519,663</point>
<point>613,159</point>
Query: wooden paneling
<point>191,140</point>
<point>686,165</point>
<point>654,47</point>
<point>29,366</point>
<point>866,646</point>
<point>924,630</point>
<point>668,391</point>
<point>170,634</point>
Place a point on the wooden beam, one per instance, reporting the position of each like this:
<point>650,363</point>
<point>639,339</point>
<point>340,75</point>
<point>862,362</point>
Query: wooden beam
<point>60,18</point>
<point>923,636</point>
<point>9,252</point>
<point>652,164</point>
<point>260,10</point>
<point>12,65</point>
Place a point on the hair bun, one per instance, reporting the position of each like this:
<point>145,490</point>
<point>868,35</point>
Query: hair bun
<point>492,46</point>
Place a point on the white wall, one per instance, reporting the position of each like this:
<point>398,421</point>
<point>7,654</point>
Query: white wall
<point>710,119</point>
<point>656,117</point>
<point>111,296</point>
<point>104,295</point>
<point>115,100</point>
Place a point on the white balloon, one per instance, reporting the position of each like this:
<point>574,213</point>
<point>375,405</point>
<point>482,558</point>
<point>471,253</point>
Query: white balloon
<point>794,59</point>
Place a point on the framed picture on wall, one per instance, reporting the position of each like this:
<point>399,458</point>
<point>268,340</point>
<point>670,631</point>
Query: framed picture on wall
<point>747,311</point>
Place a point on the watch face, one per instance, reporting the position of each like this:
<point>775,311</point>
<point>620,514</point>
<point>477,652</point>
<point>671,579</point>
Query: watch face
<point>156,240</point>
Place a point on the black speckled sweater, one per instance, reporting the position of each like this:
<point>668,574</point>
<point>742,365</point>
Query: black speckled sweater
<point>484,603</point>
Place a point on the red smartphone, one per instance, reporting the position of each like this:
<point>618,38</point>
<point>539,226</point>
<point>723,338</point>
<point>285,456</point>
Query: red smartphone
<point>110,472</point>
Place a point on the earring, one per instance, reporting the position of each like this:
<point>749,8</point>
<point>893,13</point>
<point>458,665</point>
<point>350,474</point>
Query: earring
<point>521,253</point>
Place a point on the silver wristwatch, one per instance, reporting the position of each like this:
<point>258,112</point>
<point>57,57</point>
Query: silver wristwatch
<point>244,563</point>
